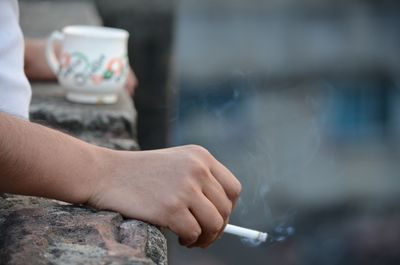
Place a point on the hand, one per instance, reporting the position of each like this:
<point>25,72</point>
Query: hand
<point>36,66</point>
<point>184,188</point>
<point>131,83</point>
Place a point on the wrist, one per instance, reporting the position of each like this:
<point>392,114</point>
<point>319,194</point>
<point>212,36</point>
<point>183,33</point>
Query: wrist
<point>92,174</point>
<point>108,163</point>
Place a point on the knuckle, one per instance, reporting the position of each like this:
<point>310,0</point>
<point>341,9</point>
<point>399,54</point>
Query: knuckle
<point>192,236</point>
<point>189,186</point>
<point>236,189</point>
<point>199,171</point>
<point>226,211</point>
<point>190,232</point>
<point>173,206</point>
<point>189,189</point>
<point>216,225</point>
<point>197,149</point>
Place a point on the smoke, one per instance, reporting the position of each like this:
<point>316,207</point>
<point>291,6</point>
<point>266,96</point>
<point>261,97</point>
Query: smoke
<point>269,138</point>
<point>280,149</point>
<point>281,233</point>
<point>252,243</point>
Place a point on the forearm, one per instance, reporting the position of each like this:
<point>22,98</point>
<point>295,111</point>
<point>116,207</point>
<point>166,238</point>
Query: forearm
<point>184,188</point>
<point>38,161</point>
<point>36,66</point>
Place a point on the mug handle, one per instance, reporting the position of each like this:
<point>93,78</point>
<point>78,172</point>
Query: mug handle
<point>56,36</point>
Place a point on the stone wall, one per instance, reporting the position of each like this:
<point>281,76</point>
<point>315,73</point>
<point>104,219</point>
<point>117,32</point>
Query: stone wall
<point>42,231</point>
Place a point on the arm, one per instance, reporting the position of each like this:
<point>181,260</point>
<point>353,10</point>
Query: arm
<point>37,68</point>
<point>184,188</point>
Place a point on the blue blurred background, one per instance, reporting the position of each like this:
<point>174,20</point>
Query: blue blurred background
<point>300,99</point>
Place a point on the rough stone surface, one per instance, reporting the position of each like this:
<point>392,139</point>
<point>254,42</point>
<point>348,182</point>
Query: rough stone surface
<point>41,231</point>
<point>110,126</point>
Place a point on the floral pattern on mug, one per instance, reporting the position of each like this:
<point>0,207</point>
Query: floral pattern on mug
<point>78,67</point>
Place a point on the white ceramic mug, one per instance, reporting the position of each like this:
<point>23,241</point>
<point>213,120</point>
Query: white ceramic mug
<point>93,65</point>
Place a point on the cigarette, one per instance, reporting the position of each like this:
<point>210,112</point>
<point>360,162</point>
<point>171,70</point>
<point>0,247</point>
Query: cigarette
<point>245,232</point>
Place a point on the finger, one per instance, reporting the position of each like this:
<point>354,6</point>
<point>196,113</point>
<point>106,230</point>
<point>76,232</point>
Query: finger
<point>227,180</point>
<point>217,195</point>
<point>210,220</point>
<point>129,90</point>
<point>129,86</point>
<point>220,232</point>
<point>131,82</point>
<point>185,225</point>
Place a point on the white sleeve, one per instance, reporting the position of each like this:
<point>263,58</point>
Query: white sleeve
<point>15,90</point>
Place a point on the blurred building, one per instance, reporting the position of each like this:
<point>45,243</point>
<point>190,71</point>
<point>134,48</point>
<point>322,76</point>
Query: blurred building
<point>300,99</point>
